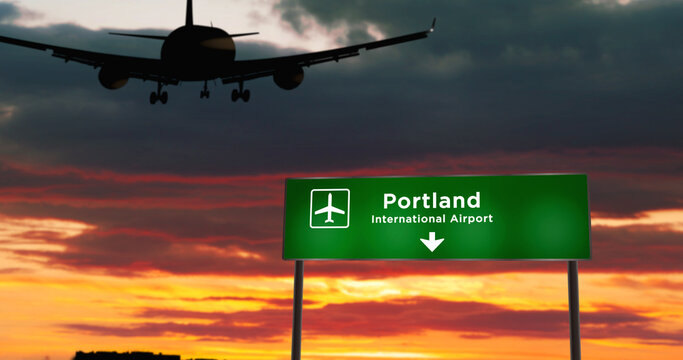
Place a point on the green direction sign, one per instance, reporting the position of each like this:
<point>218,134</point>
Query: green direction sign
<point>521,217</point>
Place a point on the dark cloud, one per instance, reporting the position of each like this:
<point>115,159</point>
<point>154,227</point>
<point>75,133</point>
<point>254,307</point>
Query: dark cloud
<point>233,224</point>
<point>287,303</point>
<point>8,12</point>
<point>214,331</point>
<point>10,271</point>
<point>395,317</point>
<point>622,183</point>
<point>495,76</point>
<point>126,252</point>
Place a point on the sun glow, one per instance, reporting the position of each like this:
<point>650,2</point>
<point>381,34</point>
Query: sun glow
<point>50,299</point>
<point>24,233</point>
<point>671,219</point>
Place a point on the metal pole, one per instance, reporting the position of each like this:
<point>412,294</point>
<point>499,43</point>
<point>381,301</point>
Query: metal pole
<point>298,309</point>
<point>574,330</point>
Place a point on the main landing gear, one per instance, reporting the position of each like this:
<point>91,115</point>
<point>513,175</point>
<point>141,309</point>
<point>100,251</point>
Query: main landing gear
<point>241,94</point>
<point>158,95</point>
<point>204,93</point>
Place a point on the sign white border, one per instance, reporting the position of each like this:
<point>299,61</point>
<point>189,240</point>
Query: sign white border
<point>348,210</point>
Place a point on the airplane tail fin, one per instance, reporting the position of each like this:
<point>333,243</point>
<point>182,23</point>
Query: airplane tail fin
<point>188,14</point>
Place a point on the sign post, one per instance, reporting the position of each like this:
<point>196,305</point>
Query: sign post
<point>521,217</point>
<point>298,309</point>
<point>574,331</point>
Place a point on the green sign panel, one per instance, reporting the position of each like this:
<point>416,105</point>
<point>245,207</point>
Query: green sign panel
<point>521,217</point>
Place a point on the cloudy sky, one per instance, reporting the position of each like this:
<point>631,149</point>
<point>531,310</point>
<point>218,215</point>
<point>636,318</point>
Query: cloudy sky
<point>126,226</point>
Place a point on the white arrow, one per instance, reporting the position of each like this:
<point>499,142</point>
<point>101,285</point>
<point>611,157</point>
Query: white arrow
<point>433,242</point>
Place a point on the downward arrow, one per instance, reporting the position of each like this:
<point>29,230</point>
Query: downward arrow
<point>432,243</point>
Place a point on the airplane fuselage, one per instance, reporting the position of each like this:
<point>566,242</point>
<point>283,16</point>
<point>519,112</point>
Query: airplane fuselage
<point>197,52</point>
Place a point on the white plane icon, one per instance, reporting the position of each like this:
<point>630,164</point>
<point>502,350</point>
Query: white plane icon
<point>329,209</point>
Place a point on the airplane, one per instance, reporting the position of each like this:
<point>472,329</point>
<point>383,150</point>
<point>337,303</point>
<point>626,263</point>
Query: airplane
<point>201,53</point>
<point>329,209</point>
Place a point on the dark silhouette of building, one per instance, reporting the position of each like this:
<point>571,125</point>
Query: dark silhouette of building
<point>133,355</point>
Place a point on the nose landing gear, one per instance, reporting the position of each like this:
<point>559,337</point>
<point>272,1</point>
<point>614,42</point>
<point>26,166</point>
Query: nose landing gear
<point>205,92</point>
<point>241,94</point>
<point>158,95</point>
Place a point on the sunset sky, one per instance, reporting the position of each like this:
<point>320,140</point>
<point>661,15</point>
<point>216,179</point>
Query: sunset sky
<point>130,227</point>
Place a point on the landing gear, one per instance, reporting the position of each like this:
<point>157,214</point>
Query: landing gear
<point>158,95</point>
<point>241,94</point>
<point>204,93</point>
<point>154,97</point>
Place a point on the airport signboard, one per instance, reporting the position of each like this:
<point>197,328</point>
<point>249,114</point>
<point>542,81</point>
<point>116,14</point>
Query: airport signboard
<point>518,217</point>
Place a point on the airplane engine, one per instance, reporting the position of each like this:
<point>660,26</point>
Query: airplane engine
<point>289,78</point>
<point>112,78</point>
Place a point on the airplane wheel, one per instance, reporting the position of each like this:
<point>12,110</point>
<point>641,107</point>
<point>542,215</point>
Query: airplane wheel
<point>153,98</point>
<point>164,97</point>
<point>235,95</point>
<point>207,94</point>
<point>246,95</point>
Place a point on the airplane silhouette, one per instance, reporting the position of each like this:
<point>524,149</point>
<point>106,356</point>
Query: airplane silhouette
<point>329,209</point>
<point>200,53</point>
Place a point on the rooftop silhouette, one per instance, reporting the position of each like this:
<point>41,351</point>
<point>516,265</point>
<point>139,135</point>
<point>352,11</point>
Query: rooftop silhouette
<point>133,355</point>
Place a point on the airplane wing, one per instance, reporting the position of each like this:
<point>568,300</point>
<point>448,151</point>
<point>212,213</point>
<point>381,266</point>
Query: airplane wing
<point>244,70</point>
<point>136,67</point>
<point>287,71</point>
<point>323,210</point>
<point>338,211</point>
